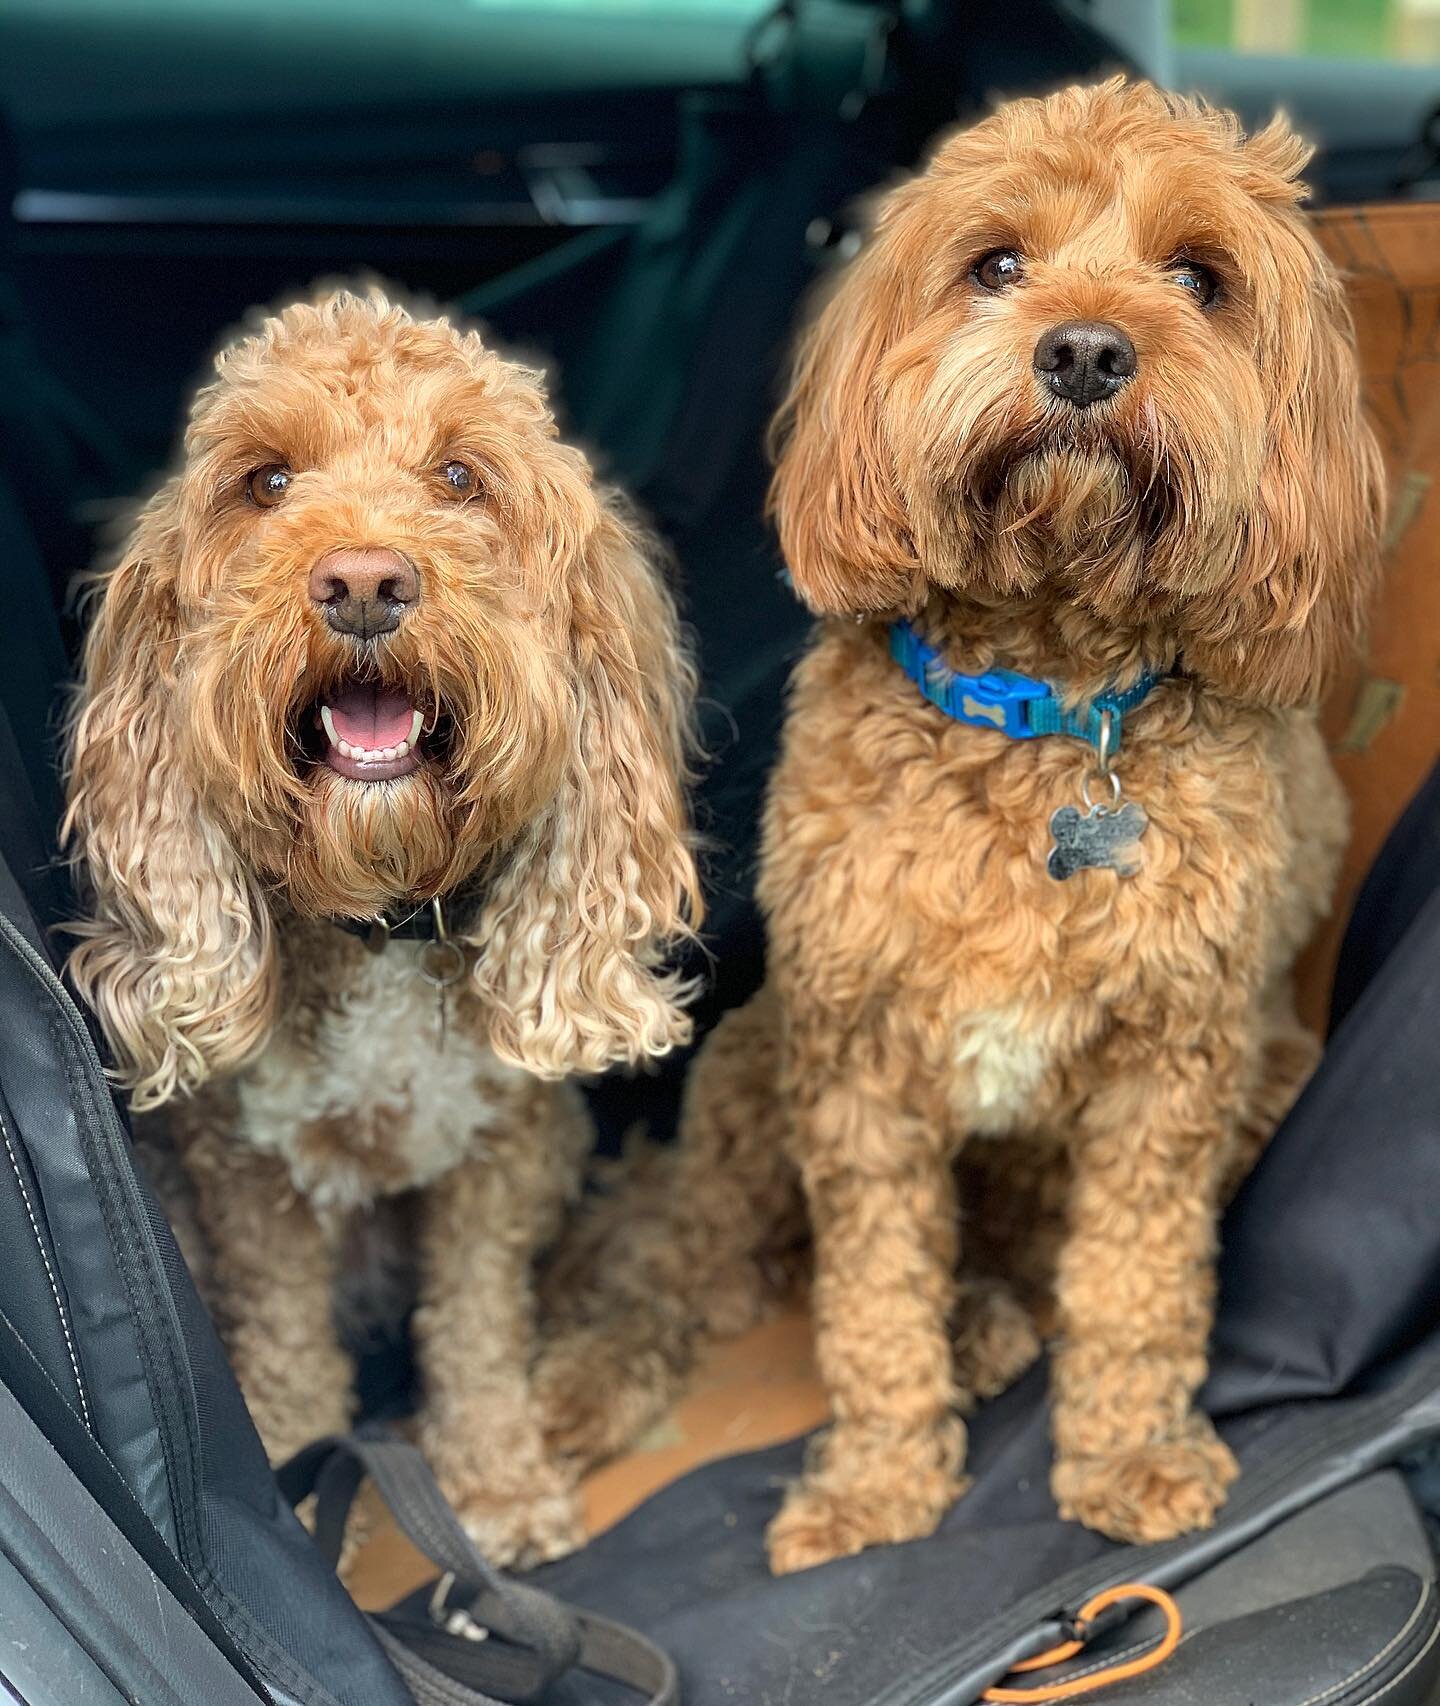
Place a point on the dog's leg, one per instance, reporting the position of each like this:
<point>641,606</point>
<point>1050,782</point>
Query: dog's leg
<point>676,1256</point>
<point>1136,1282</point>
<point>274,1272</point>
<point>882,1204</point>
<point>1291,1053</point>
<point>475,1336</point>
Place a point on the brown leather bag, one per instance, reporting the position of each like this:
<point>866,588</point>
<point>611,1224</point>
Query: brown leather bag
<point>1383,716</point>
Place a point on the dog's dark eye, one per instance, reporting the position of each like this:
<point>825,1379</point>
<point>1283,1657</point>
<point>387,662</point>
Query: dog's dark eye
<point>1198,280</point>
<point>460,478</point>
<point>998,270</point>
<point>266,486</point>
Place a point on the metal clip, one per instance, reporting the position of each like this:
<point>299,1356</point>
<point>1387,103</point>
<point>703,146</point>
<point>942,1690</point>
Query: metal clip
<point>1104,766</point>
<point>454,1619</point>
<point>377,938</point>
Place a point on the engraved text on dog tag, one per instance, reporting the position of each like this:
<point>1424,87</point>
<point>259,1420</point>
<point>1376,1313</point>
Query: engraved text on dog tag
<point>1100,839</point>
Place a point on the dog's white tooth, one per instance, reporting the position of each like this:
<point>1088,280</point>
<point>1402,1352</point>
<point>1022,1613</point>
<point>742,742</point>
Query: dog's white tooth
<point>344,748</point>
<point>417,724</point>
<point>389,753</point>
<point>328,721</point>
<point>403,750</point>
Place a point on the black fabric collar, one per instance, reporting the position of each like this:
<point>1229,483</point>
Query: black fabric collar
<point>400,924</point>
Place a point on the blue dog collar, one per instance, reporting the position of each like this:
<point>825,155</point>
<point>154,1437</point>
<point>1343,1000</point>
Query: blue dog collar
<point>1017,705</point>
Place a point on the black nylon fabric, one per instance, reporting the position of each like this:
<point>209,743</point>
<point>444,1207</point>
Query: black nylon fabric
<point>158,1395</point>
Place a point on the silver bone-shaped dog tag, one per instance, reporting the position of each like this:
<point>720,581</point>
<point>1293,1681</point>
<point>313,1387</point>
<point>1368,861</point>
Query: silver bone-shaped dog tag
<point>1100,839</point>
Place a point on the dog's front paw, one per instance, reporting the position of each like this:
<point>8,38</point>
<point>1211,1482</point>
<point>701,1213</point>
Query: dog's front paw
<point>518,1506</point>
<point>520,1531</point>
<point>1149,1492</point>
<point>869,1491</point>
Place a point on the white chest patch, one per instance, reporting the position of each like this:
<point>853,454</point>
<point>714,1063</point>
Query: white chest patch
<point>1001,1064</point>
<point>376,1102</point>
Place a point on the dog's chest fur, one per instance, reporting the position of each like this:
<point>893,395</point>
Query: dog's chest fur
<point>1000,1063</point>
<point>362,1094</point>
<point>908,900</point>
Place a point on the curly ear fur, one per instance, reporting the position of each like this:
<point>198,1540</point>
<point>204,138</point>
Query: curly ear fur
<point>176,957</point>
<point>572,937</point>
<point>843,527</point>
<point>1308,551</point>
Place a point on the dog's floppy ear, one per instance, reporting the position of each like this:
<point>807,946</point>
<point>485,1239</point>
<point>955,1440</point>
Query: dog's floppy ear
<point>1308,549</point>
<point>573,936</point>
<point>843,527</point>
<point>176,956</point>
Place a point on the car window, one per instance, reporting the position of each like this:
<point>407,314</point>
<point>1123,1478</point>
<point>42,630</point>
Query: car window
<point>1405,30</point>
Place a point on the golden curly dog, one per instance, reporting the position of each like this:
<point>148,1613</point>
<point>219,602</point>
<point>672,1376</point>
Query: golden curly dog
<point>381,639</point>
<point>1084,407</point>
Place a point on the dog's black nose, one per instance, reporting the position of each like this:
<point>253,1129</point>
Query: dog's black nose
<point>1084,360</point>
<point>364,592</point>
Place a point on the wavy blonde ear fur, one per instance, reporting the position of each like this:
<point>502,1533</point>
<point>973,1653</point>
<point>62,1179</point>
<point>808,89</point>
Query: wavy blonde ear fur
<point>176,956</point>
<point>572,938</point>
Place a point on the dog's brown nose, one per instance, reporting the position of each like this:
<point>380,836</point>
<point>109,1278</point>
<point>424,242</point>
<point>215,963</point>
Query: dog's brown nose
<point>1084,360</point>
<point>364,592</point>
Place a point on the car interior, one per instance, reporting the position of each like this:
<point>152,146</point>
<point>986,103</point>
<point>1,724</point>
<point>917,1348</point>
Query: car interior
<point>641,195</point>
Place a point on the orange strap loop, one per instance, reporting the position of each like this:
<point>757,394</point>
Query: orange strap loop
<point>1157,1655</point>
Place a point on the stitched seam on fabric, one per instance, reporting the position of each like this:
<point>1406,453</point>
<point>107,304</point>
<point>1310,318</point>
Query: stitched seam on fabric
<point>1380,1657</point>
<point>1395,1681</point>
<point>1376,1413</point>
<point>1113,1659</point>
<point>1120,1658</point>
<point>282,1665</point>
<point>50,1275</point>
<point>81,1100</point>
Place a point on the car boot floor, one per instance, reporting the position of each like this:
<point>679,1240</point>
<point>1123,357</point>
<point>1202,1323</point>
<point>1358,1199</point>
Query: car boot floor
<point>755,1391</point>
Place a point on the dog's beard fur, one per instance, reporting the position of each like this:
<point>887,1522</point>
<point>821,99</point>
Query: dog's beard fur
<point>1124,511</point>
<point>495,707</point>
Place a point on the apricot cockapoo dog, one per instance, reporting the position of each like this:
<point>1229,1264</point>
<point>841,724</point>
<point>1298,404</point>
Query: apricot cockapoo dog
<point>381,640</point>
<point>1084,410</point>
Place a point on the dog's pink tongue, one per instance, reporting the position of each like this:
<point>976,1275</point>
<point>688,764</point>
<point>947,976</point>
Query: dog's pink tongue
<point>370,716</point>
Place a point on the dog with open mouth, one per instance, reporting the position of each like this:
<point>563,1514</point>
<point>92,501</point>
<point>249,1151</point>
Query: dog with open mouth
<point>376,788</point>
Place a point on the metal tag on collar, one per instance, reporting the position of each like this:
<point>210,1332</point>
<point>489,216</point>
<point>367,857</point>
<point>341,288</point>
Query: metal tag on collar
<point>442,960</point>
<point>1103,838</point>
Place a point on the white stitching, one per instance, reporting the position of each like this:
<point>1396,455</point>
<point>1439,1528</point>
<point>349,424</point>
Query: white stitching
<point>1119,1658</point>
<point>1114,1659</point>
<point>1380,1657</point>
<point>50,1274</point>
<point>1315,1699</point>
<point>1395,1681</point>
